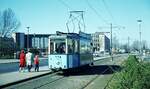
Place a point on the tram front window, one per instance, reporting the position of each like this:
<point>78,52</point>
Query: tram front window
<point>58,46</point>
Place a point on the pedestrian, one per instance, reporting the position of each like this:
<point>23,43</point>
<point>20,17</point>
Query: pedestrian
<point>36,62</point>
<point>22,61</point>
<point>29,60</point>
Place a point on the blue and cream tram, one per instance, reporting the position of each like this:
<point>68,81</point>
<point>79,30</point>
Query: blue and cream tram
<point>69,50</point>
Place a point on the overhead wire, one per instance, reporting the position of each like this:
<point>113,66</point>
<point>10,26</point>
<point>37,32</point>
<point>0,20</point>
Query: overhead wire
<point>108,10</point>
<point>111,15</point>
<point>95,11</point>
<point>69,8</point>
<point>65,4</point>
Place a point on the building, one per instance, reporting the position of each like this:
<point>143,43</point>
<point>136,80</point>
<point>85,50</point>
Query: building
<point>101,43</point>
<point>25,41</point>
<point>19,40</point>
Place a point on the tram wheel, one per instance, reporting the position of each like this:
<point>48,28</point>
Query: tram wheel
<point>91,64</point>
<point>53,70</point>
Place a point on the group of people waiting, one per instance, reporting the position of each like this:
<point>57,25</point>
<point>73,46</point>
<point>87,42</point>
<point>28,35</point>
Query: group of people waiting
<point>27,60</point>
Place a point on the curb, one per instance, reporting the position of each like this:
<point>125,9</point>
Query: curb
<point>9,62</point>
<point>17,61</point>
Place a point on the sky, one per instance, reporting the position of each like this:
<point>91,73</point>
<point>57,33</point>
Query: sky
<point>49,16</point>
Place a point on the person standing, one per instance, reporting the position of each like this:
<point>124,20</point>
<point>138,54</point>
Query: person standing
<point>29,60</point>
<point>36,62</point>
<point>22,61</point>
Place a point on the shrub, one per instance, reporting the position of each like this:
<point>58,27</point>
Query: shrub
<point>135,75</point>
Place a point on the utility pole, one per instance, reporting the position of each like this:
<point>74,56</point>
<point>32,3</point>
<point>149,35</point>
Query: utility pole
<point>128,45</point>
<point>139,22</point>
<point>34,40</point>
<point>28,38</point>
<point>111,36</point>
<point>111,45</point>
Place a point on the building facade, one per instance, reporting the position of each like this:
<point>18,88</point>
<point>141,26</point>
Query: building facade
<point>19,40</point>
<point>101,43</point>
<point>37,41</point>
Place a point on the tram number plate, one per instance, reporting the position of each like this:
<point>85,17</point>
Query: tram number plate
<point>58,60</point>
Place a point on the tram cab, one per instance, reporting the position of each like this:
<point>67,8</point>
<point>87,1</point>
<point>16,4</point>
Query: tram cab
<point>69,50</point>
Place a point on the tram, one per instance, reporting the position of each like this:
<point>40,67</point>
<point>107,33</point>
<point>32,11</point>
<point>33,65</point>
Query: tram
<point>69,50</point>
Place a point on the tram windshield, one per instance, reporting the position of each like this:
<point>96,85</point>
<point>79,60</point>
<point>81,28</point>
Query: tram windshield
<point>57,46</point>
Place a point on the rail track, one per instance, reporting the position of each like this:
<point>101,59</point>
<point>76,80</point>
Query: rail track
<point>30,83</point>
<point>109,68</point>
<point>55,77</point>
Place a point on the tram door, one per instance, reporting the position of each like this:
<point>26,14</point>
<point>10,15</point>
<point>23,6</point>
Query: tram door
<point>73,52</point>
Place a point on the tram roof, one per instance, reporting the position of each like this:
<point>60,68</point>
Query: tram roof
<point>71,35</point>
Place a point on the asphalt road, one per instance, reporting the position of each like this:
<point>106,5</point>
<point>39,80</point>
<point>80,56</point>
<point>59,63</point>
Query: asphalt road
<point>90,77</point>
<point>14,66</point>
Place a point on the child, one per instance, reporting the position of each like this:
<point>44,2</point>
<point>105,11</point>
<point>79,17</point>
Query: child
<point>36,62</point>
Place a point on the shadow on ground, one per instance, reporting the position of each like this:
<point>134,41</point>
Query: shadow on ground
<point>92,70</point>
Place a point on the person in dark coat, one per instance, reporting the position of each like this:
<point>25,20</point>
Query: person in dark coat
<point>22,61</point>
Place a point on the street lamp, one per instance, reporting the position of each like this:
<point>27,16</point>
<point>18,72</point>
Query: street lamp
<point>139,23</point>
<point>111,45</point>
<point>34,40</point>
<point>28,37</point>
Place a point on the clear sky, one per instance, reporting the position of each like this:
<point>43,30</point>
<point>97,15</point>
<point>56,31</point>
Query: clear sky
<point>48,16</point>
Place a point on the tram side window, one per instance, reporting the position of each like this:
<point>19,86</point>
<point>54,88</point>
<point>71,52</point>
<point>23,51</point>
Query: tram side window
<point>76,45</point>
<point>89,47</point>
<point>85,46</point>
<point>82,46</point>
<point>70,46</point>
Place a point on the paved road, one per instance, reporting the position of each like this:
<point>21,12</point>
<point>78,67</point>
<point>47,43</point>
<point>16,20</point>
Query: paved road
<point>14,66</point>
<point>75,80</point>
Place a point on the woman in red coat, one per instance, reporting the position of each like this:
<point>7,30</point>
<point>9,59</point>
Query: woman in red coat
<point>22,61</point>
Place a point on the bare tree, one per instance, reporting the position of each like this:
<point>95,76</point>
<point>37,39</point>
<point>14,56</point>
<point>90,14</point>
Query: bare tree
<point>125,47</point>
<point>136,45</point>
<point>144,45</point>
<point>8,23</point>
<point>115,42</point>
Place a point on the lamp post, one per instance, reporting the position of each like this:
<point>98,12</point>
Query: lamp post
<point>139,23</point>
<point>34,40</point>
<point>28,37</point>
<point>111,45</point>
